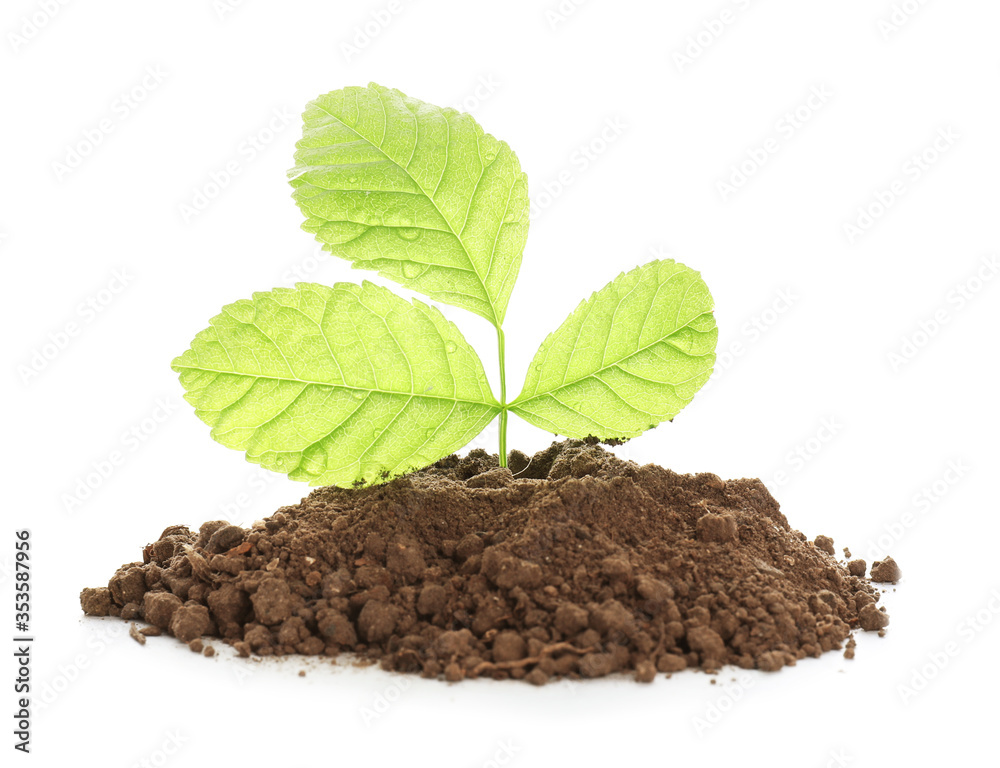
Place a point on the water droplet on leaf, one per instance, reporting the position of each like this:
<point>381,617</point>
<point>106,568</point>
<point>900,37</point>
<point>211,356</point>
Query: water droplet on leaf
<point>488,146</point>
<point>408,233</point>
<point>450,346</point>
<point>358,394</point>
<point>412,270</point>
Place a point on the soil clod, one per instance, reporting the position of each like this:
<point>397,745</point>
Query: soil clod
<point>825,544</point>
<point>886,571</point>
<point>135,633</point>
<point>872,618</point>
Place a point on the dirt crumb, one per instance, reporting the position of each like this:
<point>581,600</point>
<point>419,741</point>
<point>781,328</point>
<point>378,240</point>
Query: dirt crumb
<point>96,602</point>
<point>849,649</point>
<point>135,634</point>
<point>716,527</point>
<point>885,571</point>
<point>571,563</point>
<point>825,544</point>
<point>190,622</point>
<point>871,618</point>
<point>158,608</point>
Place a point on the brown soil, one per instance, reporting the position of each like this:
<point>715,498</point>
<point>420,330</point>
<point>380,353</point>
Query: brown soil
<point>571,563</point>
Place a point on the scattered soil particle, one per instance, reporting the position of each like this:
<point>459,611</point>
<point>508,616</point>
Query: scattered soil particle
<point>849,650</point>
<point>209,651</point>
<point>151,631</point>
<point>136,634</point>
<point>886,571</point>
<point>196,645</point>
<point>570,563</point>
<point>857,568</point>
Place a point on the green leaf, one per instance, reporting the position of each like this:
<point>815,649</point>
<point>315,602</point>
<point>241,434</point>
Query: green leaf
<point>336,385</point>
<point>418,193</point>
<point>629,357</point>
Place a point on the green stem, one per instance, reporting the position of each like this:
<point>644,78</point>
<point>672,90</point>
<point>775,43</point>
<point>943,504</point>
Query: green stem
<point>503,400</point>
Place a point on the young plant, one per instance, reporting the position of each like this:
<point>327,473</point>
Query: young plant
<point>352,384</point>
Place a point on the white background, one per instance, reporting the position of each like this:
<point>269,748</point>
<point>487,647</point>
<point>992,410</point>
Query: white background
<point>880,467</point>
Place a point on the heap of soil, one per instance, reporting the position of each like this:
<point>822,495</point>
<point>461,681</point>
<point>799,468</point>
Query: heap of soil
<point>570,563</point>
